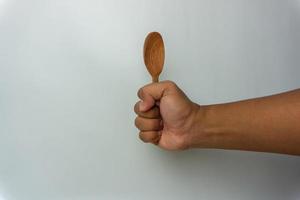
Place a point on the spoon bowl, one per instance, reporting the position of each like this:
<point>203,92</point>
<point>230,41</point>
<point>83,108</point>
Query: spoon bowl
<point>154,54</point>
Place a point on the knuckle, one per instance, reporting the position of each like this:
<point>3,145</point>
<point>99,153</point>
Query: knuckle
<point>142,92</point>
<point>136,107</point>
<point>142,137</point>
<point>137,122</point>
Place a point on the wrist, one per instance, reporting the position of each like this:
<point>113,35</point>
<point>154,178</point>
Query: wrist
<point>209,129</point>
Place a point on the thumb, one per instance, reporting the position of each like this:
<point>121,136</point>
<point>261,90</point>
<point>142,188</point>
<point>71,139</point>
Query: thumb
<point>153,92</point>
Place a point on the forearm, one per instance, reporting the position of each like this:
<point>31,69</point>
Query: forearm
<point>270,124</point>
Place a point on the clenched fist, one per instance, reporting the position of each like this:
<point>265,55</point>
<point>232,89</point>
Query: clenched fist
<point>166,117</point>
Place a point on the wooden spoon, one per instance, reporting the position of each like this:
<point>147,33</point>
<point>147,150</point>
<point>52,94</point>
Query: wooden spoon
<point>154,54</point>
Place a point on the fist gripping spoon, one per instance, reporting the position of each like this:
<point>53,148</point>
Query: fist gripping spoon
<point>154,54</point>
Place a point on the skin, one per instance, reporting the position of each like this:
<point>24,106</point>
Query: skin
<point>167,118</point>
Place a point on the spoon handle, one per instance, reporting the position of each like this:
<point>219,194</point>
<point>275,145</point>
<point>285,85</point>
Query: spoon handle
<point>155,79</point>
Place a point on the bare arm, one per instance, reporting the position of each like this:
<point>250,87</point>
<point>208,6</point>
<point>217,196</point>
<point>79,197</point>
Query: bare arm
<point>267,124</point>
<point>270,124</point>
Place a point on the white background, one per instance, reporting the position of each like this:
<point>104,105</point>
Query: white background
<point>69,72</point>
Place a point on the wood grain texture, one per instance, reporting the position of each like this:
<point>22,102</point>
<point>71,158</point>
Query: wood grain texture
<point>154,54</point>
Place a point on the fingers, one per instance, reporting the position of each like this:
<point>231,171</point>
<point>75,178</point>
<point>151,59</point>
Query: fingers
<point>151,114</point>
<point>144,124</point>
<point>149,123</point>
<point>149,120</point>
<point>150,136</point>
<point>153,92</point>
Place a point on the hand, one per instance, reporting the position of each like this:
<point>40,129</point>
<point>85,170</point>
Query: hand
<point>166,117</point>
